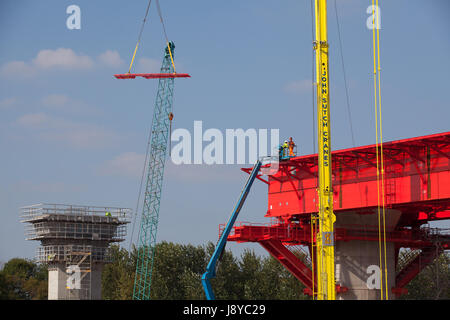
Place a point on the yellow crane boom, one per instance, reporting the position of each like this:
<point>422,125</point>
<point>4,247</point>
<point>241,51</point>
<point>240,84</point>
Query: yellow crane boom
<point>326,288</point>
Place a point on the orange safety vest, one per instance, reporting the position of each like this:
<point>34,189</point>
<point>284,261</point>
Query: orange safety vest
<point>291,148</point>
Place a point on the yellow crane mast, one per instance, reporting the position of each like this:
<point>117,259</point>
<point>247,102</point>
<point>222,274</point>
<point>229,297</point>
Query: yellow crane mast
<point>325,273</point>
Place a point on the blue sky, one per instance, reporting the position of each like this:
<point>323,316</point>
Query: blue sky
<point>71,133</point>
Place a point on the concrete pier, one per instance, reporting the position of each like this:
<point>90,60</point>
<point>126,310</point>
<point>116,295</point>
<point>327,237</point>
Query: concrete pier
<point>358,261</point>
<point>75,245</point>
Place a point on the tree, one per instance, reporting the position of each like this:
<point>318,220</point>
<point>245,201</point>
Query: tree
<point>23,279</point>
<point>177,271</point>
<point>251,267</point>
<point>432,283</point>
<point>228,282</point>
<point>118,276</point>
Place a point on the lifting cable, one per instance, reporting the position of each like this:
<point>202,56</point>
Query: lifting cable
<point>313,217</point>
<point>313,61</point>
<point>344,74</point>
<point>379,149</point>
<point>140,35</point>
<point>140,191</point>
<point>142,29</point>
<point>349,113</point>
<point>165,35</point>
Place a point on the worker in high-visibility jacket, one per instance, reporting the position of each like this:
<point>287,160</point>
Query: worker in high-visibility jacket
<point>291,147</point>
<point>108,214</point>
<point>283,149</point>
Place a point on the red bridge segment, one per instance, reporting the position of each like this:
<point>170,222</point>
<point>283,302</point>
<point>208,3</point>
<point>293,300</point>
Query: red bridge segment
<point>417,180</point>
<point>416,190</point>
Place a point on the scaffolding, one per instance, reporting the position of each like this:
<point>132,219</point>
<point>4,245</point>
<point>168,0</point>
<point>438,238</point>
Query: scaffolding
<point>74,244</point>
<point>60,253</point>
<point>43,210</point>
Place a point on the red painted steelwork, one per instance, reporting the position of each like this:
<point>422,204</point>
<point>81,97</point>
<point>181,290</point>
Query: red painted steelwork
<point>288,260</point>
<point>416,184</point>
<point>417,180</point>
<point>151,75</point>
<point>297,234</point>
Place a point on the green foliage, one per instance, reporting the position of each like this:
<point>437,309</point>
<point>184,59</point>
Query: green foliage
<point>177,275</point>
<point>22,279</point>
<point>178,270</point>
<point>118,276</point>
<point>432,283</point>
<point>227,284</point>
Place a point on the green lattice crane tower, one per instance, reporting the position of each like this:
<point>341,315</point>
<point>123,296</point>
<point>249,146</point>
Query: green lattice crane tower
<point>155,174</point>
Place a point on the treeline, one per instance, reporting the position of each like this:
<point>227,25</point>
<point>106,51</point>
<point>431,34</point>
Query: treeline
<point>178,269</point>
<point>177,275</point>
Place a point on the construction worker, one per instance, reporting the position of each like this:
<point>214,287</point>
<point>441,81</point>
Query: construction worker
<point>291,147</point>
<point>108,214</point>
<point>280,151</point>
<point>284,148</point>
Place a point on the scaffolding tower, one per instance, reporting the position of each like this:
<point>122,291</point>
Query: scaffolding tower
<point>74,244</point>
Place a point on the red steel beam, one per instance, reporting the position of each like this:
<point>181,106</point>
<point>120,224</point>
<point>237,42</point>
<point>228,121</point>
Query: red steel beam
<point>293,234</point>
<point>289,261</point>
<point>151,75</point>
<point>410,271</point>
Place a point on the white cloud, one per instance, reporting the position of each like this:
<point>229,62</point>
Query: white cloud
<point>128,164</point>
<point>58,59</point>
<point>74,134</point>
<point>300,86</point>
<point>34,120</point>
<point>17,69</point>
<point>61,58</point>
<point>111,58</point>
<point>8,103</point>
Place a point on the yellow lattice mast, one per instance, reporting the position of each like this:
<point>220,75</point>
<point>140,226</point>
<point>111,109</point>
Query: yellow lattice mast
<point>325,273</point>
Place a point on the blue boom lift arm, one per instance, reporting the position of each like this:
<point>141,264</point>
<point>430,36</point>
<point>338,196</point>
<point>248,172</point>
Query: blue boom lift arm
<point>211,268</point>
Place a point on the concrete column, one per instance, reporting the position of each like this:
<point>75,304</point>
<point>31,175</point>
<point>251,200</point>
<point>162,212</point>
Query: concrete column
<point>96,281</point>
<point>358,261</point>
<point>57,280</point>
<point>90,285</point>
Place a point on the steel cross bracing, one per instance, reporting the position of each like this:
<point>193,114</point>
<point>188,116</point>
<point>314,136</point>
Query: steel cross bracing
<point>155,174</point>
